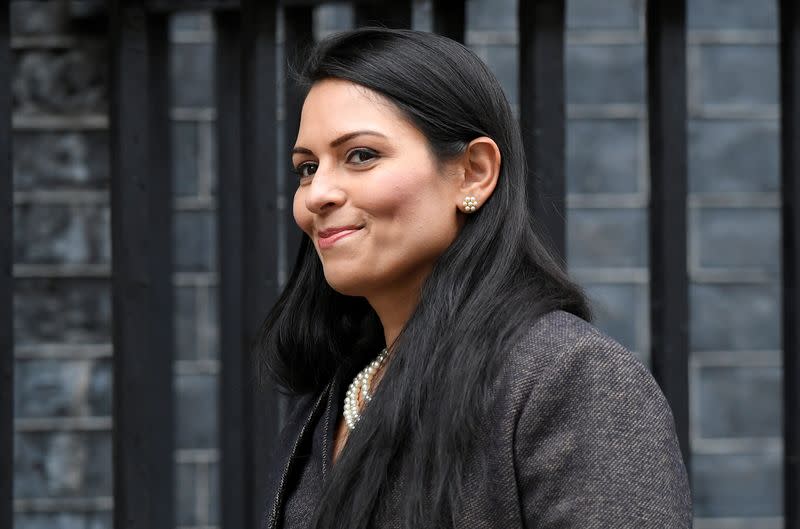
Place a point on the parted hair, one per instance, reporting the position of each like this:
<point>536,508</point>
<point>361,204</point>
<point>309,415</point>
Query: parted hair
<point>489,285</point>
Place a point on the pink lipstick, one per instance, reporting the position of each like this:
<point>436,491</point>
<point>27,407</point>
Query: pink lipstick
<point>328,237</point>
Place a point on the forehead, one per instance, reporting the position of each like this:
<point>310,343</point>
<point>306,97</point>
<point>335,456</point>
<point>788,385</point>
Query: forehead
<point>335,106</point>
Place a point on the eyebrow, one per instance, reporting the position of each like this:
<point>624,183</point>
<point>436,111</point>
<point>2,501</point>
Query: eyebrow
<point>341,139</point>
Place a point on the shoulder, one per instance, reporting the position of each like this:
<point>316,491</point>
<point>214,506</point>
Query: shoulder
<point>563,335</point>
<point>567,373</point>
<point>594,437</point>
<point>559,348</point>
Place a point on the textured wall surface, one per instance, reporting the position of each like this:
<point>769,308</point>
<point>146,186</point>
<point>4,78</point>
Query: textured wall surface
<point>62,463</point>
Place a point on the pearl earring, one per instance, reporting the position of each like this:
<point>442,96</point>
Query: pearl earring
<point>470,204</point>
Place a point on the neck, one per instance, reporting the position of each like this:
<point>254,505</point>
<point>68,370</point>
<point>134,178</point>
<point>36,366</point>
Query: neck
<point>394,307</point>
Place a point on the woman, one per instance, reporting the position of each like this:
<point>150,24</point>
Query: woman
<point>444,369</point>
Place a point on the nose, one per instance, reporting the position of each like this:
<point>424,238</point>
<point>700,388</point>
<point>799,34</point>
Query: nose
<point>324,192</point>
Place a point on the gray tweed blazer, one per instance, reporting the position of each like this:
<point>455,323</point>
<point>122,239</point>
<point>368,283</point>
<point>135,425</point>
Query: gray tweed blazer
<point>579,436</point>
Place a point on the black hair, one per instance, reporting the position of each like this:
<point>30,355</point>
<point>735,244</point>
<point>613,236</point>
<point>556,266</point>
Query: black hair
<point>489,286</point>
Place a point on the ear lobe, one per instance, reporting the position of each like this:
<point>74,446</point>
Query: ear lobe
<point>482,168</point>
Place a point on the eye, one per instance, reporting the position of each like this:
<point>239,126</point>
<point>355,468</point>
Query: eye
<point>361,156</point>
<point>305,169</point>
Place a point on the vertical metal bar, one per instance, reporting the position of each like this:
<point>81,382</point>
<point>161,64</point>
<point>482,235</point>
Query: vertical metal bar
<point>6,280</point>
<point>542,114</point>
<point>396,14</point>
<point>449,18</point>
<point>669,278</point>
<point>234,429</point>
<point>259,233</point>
<point>143,437</point>
<point>299,34</point>
<point>790,201</point>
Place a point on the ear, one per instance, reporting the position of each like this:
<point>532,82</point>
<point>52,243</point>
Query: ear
<point>481,165</point>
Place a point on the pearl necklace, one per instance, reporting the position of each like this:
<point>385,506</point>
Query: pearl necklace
<point>361,383</point>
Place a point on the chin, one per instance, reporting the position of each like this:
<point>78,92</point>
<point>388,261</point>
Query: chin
<point>346,283</point>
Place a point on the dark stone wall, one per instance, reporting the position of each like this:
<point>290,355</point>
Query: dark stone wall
<point>62,241</point>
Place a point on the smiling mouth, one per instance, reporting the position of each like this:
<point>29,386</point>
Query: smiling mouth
<point>333,237</point>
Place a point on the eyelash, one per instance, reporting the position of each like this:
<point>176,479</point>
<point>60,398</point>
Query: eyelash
<point>298,170</point>
<point>373,154</point>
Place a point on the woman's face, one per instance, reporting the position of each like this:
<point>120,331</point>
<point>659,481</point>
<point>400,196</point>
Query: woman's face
<point>376,204</point>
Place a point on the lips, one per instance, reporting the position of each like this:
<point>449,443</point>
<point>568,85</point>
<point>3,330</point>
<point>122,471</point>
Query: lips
<point>329,236</point>
<point>324,234</point>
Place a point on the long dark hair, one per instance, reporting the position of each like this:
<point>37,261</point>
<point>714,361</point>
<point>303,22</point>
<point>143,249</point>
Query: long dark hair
<point>489,286</point>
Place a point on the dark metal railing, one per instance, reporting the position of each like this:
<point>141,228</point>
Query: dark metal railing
<point>390,14</point>
<point>790,202</point>
<point>252,226</point>
<point>141,237</point>
<point>235,453</point>
<point>450,18</point>
<point>542,114</point>
<point>298,33</point>
<point>669,278</point>
<point>255,280</point>
<point>6,280</point>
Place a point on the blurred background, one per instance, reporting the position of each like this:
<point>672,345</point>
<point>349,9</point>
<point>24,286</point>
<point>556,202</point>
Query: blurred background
<point>62,304</point>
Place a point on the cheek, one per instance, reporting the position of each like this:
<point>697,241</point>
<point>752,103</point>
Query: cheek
<point>415,208</point>
<point>398,204</point>
<point>302,216</point>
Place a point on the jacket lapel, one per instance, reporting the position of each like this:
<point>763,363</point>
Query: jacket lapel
<point>297,427</point>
